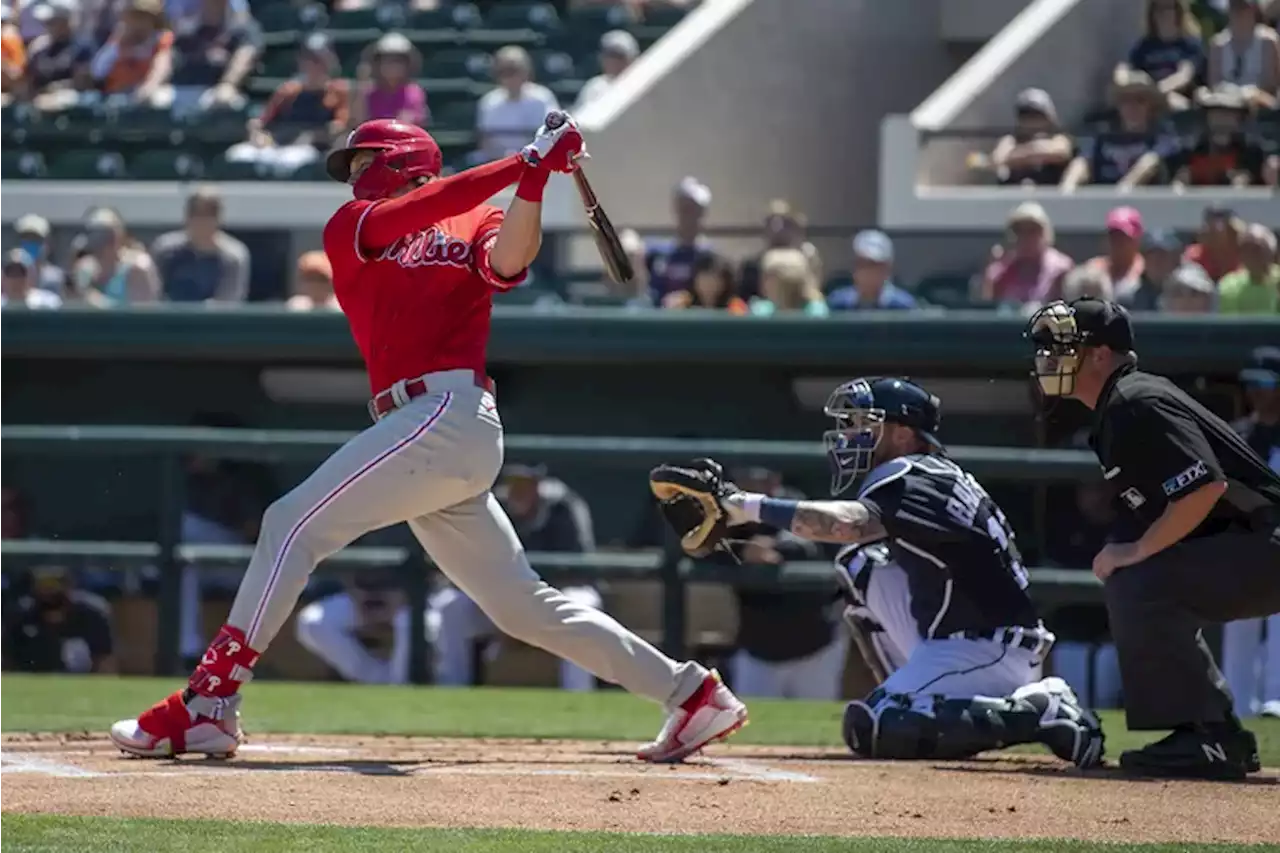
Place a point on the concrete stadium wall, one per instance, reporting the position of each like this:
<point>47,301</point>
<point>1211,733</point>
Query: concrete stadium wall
<point>784,99</point>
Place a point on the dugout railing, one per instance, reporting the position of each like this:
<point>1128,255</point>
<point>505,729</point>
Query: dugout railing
<point>669,565</point>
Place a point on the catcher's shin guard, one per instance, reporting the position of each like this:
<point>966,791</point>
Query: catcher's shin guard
<point>961,728</point>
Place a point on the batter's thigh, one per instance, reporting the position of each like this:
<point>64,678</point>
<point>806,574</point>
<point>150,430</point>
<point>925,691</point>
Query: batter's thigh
<point>960,669</point>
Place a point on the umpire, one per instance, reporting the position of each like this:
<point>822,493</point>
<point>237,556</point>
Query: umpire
<point>1196,542</point>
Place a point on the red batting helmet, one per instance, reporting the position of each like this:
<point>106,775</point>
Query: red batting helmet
<point>404,152</point>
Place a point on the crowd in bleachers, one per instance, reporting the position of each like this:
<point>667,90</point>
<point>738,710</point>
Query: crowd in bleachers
<point>1195,103</point>
<point>231,89</point>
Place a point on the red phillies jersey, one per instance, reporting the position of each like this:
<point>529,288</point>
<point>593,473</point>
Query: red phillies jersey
<point>423,303</point>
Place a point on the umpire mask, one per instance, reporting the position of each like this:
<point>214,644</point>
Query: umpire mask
<point>851,446</point>
<point>1057,339</point>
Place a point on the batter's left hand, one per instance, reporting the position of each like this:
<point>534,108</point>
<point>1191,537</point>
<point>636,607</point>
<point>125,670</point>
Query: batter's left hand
<point>557,146</point>
<point>1114,556</point>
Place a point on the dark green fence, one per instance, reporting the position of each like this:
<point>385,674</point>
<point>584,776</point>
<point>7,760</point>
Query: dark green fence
<point>675,570</point>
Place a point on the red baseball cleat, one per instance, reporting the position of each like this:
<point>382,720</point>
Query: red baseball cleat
<point>172,727</point>
<point>712,713</point>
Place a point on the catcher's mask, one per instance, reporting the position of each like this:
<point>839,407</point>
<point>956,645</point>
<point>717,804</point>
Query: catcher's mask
<point>861,408</point>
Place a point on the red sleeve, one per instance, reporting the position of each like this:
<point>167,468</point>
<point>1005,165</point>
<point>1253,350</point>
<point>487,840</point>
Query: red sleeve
<point>342,236</point>
<point>486,236</point>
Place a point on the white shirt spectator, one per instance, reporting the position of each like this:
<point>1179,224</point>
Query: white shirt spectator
<point>36,298</point>
<point>506,122</point>
<point>618,49</point>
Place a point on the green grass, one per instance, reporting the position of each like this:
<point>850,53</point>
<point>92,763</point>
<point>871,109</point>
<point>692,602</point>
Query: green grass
<point>61,703</point>
<point>50,834</point>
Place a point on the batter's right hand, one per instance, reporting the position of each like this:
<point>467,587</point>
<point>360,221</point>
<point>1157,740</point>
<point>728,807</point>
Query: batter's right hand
<point>557,146</point>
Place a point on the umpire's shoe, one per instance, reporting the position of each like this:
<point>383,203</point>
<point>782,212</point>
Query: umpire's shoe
<point>1222,751</point>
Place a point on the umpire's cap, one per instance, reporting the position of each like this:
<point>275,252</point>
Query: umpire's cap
<point>1101,323</point>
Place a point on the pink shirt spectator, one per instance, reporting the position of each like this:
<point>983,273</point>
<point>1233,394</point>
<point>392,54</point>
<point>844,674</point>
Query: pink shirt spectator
<point>408,103</point>
<point>1018,279</point>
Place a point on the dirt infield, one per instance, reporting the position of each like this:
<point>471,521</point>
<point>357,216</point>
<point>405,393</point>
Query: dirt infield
<point>591,785</point>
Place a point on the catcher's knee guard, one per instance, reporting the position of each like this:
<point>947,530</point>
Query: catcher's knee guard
<point>896,728</point>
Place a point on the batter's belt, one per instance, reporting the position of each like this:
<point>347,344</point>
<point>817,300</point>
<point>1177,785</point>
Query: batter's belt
<point>402,392</point>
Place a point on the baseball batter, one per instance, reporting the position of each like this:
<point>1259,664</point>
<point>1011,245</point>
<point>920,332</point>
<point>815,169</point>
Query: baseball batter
<point>416,259</point>
<point>939,601</point>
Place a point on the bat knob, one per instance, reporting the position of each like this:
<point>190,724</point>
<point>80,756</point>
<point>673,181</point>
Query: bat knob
<point>554,120</point>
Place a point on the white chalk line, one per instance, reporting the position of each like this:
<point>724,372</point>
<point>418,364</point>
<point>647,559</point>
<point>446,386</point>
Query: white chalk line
<point>760,772</point>
<point>725,768</point>
<point>19,762</point>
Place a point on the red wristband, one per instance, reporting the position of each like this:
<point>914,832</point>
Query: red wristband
<point>532,183</point>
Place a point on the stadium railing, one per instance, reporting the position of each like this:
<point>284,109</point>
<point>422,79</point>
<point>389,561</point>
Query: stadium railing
<point>669,565</point>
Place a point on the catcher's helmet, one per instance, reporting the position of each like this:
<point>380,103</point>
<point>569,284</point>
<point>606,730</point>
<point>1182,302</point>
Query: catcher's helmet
<point>405,152</point>
<point>861,408</point>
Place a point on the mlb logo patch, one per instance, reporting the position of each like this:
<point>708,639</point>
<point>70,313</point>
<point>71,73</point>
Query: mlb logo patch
<point>1133,498</point>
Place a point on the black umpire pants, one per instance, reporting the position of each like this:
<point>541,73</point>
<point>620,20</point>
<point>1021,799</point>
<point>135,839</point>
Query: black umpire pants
<point>1157,611</point>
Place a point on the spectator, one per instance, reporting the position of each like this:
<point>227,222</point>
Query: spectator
<point>618,49</point>
<point>115,268</point>
<point>13,57</point>
<point>1245,656</point>
<point>1254,288</point>
<point>202,263</point>
<point>1131,151</point>
<point>1161,252</point>
<point>137,59</point>
<point>510,112</point>
<point>1088,280</point>
<point>1123,261</point>
<point>872,286</point>
<point>1223,154</point>
<point>33,236</point>
<point>13,514</point>
<point>1037,152</point>
<point>302,118</point>
<point>1188,290</point>
<point>58,59</point>
<point>213,56</point>
<point>670,263</point>
<point>1030,270</point>
<point>184,13</point>
<point>1247,54</point>
<point>789,644</point>
<point>633,294</point>
<point>385,84</point>
<point>313,284</point>
<point>1218,250</point>
<point>787,284</point>
<point>58,628</point>
<point>548,516</point>
<point>784,228</point>
<point>19,284</point>
<point>714,286</point>
<point>1170,51</point>
<point>348,630</point>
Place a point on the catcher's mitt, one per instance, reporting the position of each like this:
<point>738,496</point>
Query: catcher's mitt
<point>690,499</point>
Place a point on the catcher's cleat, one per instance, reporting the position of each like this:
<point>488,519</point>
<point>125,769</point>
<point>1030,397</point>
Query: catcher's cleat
<point>172,727</point>
<point>712,713</point>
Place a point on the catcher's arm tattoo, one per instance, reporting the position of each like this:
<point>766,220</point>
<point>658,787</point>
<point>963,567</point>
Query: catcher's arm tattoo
<point>836,521</point>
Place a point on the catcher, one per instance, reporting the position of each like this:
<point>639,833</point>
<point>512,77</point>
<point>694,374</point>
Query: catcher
<point>963,674</point>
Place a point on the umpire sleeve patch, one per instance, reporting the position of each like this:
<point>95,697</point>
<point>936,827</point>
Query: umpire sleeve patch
<point>1193,474</point>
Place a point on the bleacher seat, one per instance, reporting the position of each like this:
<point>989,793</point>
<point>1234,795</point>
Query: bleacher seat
<point>551,65</point>
<point>382,17</point>
<point>462,16</point>
<point>468,64</point>
<point>515,14</point>
<point>15,163</point>
<point>88,164</point>
<point>947,290</point>
<point>166,165</point>
<point>454,115</point>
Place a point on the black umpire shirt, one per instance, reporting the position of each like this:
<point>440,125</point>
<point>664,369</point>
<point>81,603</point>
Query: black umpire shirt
<point>1157,444</point>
